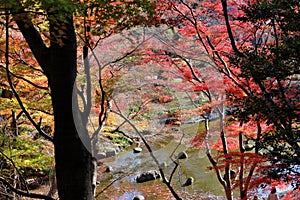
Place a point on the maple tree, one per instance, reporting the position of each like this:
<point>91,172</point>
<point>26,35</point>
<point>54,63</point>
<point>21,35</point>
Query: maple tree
<point>275,71</point>
<point>254,45</point>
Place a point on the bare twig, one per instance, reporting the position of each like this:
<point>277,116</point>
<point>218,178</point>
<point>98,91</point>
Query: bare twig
<point>17,170</point>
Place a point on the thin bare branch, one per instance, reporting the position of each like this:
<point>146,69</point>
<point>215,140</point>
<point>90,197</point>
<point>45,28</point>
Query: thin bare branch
<point>26,80</point>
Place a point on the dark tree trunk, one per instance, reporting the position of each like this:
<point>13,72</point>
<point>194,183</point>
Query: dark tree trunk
<point>73,158</point>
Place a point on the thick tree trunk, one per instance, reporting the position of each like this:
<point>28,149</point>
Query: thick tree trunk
<point>73,158</point>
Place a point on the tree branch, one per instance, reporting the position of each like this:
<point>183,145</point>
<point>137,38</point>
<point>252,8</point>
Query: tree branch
<point>17,170</point>
<point>26,80</point>
<point>209,155</point>
<point>38,128</point>
<point>193,22</point>
<point>229,31</point>
<point>32,37</point>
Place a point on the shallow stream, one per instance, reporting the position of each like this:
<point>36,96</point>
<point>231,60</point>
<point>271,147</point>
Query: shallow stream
<point>127,165</point>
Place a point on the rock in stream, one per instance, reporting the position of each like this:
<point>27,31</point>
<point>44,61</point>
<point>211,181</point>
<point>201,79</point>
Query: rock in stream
<point>147,176</point>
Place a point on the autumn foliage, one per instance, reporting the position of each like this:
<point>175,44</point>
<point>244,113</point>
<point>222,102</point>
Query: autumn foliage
<point>234,63</point>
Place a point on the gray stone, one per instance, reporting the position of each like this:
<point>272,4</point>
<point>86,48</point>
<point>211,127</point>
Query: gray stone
<point>147,176</point>
<point>139,197</point>
<point>101,155</point>
<point>137,150</point>
<point>189,181</point>
<point>106,148</point>
<point>111,153</point>
<point>108,169</point>
<point>182,155</point>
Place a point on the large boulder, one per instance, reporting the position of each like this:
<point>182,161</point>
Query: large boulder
<point>106,153</point>
<point>105,149</point>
